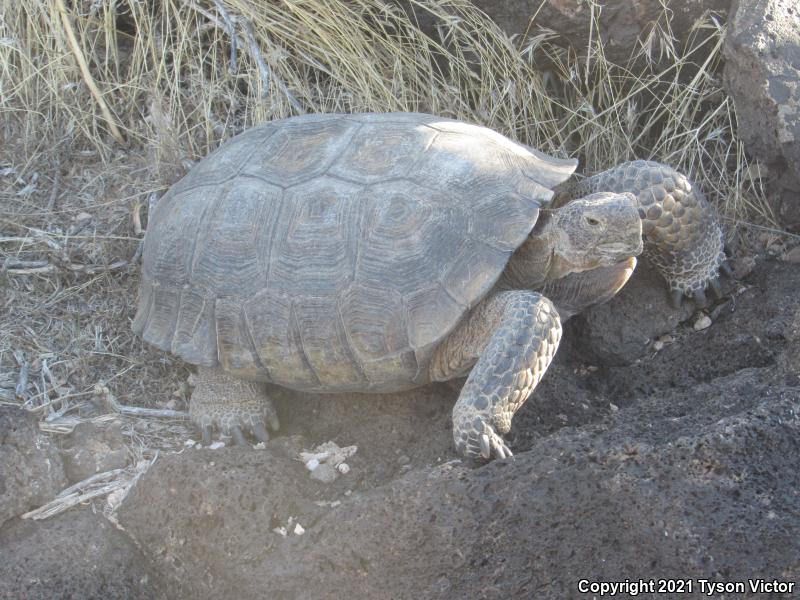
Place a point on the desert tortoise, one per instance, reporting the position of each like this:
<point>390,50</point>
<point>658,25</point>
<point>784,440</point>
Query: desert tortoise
<point>379,252</point>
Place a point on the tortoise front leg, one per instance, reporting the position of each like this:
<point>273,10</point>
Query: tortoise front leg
<point>682,236</point>
<point>513,336</point>
<point>230,404</point>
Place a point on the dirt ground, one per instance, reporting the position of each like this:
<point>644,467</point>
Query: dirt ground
<point>650,449</point>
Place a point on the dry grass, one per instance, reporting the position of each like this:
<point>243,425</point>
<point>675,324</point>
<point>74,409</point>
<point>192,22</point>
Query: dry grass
<point>173,78</point>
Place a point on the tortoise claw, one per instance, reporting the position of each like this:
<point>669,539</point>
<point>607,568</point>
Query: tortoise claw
<point>699,298</point>
<point>206,432</point>
<point>260,432</point>
<point>238,436</point>
<point>486,447</point>
<point>716,288</point>
<point>491,443</point>
<point>273,422</point>
<point>503,451</point>
<point>676,298</point>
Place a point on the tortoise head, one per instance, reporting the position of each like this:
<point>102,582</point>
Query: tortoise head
<point>595,231</point>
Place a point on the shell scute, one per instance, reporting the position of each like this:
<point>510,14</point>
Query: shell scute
<point>335,252</point>
<point>473,271</point>
<point>407,235</point>
<point>315,239</point>
<point>235,239</point>
<point>378,153</point>
<point>300,151</point>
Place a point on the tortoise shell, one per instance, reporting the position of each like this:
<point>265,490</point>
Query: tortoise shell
<point>335,252</point>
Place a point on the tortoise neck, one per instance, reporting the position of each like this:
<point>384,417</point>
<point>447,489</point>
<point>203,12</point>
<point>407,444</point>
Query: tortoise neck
<point>535,261</point>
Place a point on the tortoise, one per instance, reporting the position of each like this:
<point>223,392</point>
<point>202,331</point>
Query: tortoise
<point>380,252</point>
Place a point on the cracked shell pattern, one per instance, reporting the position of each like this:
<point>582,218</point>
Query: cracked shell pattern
<point>336,252</point>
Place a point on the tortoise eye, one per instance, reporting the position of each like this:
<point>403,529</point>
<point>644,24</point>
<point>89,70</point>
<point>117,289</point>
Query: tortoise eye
<point>592,221</point>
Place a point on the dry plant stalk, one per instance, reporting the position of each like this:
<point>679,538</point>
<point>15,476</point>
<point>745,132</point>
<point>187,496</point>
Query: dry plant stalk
<point>87,75</point>
<point>211,68</point>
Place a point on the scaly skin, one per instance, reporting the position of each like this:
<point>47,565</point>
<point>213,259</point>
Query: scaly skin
<point>230,404</point>
<point>523,331</point>
<point>512,335</point>
<point>682,236</point>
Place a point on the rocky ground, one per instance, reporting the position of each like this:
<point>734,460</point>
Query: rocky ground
<point>651,449</point>
<point>662,443</point>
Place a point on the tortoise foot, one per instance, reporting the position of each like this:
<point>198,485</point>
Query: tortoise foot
<point>524,331</point>
<point>483,442</point>
<point>710,282</point>
<point>231,406</point>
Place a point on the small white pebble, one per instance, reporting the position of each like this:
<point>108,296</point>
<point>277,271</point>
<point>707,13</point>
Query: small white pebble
<point>325,473</point>
<point>312,464</point>
<point>613,407</point>
<point>702,323</point>
<point>280,531</point>
<point>115,497</point>
<point>658,345</point>
<point>216,445</point>
<point>189,443</point>
<point>343,468</point>
<point>299,530</point>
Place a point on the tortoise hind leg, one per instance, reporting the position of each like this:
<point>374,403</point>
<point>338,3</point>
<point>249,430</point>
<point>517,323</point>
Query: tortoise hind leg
<point>231,405</point>
<point>682,236</point>
<point>513,335</point>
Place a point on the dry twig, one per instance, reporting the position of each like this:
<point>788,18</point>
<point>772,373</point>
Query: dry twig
<point>137,411</point>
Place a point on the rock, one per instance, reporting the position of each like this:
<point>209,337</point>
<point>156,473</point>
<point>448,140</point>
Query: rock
<point>623,329</point>
<point>693,470</point>
<point>72,556</point>
<point>31,470</point>
<point>699,482</point>
<point>704,322</point>
<point>93,448</point>
<point>762,74</point>
<point>326,461</point>
<point>789,361</point>
<point>748,332</point>
<point>791,256</point>
<point>743,266</point>
<point>325,473</point>
<point>621,22</point>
